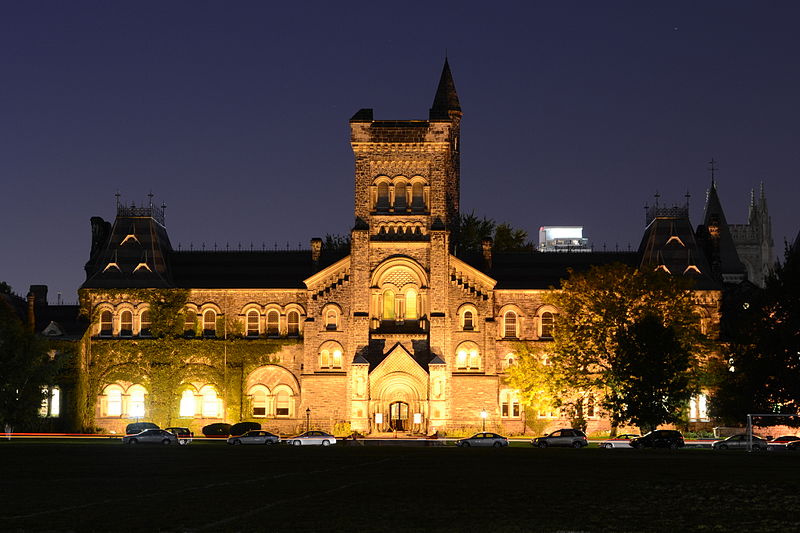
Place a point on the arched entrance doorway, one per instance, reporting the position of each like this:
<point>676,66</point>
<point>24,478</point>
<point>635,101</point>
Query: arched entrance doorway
<point>398,416</point>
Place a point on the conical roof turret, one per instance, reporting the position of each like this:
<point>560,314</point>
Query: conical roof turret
<point>445,103</point>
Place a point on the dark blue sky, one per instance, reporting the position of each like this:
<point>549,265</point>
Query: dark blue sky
<point>236,114</point>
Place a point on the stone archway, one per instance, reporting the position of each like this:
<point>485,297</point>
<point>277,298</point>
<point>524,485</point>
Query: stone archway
<point>399,396</point>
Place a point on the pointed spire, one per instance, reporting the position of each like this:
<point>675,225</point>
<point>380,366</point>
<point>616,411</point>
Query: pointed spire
<point>712,168</point>
<point>445,103</point>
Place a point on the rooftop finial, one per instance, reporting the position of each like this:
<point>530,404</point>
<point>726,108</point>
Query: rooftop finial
<point>687,196</point>
<point>712,168</point>
<point>150,196</point>
<point>117,195</point>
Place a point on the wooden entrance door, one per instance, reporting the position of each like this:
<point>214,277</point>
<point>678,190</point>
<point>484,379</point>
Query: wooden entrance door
<point>398,416</point>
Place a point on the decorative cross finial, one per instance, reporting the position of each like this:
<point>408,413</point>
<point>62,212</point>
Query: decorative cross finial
<point>687,196</point>
<point>117,195</point>
<point>712,168</point>
<point>150,196</point>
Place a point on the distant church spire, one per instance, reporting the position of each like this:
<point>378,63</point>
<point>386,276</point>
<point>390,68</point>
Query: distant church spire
<point>712,168</point>
<point>445,103</point>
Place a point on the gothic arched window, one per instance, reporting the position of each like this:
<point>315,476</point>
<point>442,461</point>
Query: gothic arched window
<point>126,324</point>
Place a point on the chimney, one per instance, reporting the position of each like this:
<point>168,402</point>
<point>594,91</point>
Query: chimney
<point>31,311</point>
<point>316,250</point>
<point>486,245</point>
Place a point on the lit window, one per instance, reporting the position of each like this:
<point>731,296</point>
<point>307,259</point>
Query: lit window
<point>144,323</point>
<point>252,323</point>
<point>273,323</point>
<point>259,402</point>
<point>55,402</point>
<point>187,407</point>
<point>113,402</point>
<point>210,402</point>
<point>509,404</point>
<point>136,401</point>
<point>209,323</point>
<point>468,357</point>
<point>190,323</point>
<point>547,325</point>
<point>698,408</point>
<point>468,321</point>
<point>293,324</point>
<point>411,304</point>
<point>106,324</point>
<point>388,305</point>
<point>330,355</point>
<point>44,408</point>
<point>282,403</point>
<point>126,324</point>
<point>510,325</point>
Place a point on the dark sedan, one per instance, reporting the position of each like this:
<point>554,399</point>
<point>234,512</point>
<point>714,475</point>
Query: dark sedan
<point>660,438</point>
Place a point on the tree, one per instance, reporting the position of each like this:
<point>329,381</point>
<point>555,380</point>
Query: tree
<point>336,243</point>
<point>25,369</point>
<point>469,231</point>
<point>760,372</point>
<point>5,288</point>
<point>508,239</point>
<point>596,307</point>
<point>652,375</point>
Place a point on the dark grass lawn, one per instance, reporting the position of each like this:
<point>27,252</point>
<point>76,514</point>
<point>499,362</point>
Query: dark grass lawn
<point>208,486</point>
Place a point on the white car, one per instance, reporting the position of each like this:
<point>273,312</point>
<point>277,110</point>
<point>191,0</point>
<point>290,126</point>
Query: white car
<point>256,436</point>
<point>620,441</point>
<point>318,438</point>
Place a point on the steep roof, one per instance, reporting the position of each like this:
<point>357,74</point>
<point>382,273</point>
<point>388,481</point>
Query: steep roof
<point>669,244</point>
<point>257,269</point>
<point>446,98</point>
<point>714,237</point>
<point>537,270</point>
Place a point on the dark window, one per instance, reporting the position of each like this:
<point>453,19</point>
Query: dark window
<point>468,324</point>
<point>126,324</point>
<point>106,328</point>
<point>144,323</point>
<point>547,325</point>
<point>293,321</point>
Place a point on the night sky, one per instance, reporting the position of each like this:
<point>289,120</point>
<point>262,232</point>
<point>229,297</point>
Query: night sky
<point>235,114</point>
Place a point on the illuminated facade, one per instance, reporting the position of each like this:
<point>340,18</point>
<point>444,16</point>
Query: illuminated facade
<point>396,333</point>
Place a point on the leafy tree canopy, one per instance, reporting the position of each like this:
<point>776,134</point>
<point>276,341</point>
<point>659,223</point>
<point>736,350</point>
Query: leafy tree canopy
<point>598,309</point>
<point>25,368</point>
<point>469,231</point>
<point>5,288</point>
<point>761,370</point>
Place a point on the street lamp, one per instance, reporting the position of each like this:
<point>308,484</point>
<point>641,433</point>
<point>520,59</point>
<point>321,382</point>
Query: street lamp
<point>308,419</point>
<point>484,414</point>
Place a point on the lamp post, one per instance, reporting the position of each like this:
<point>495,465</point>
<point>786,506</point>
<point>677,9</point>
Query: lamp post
<point>308,419</point>
<point>484,414</point>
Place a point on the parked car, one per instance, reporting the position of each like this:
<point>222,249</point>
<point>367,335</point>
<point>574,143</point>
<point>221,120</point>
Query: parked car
<point>312,437</point>
<point>739,442</point>
<point>256,436</point>
<point>184,435</point>
<point>562,437</point>
<point>793,446</point>
<point>780,443</point>
<point>243,427</point>
<point>138,427</point>
<point>151,436</point>
<point>483,439</point>
<point>218,430</point>
<point>660,438</point>
<point>620,441</point>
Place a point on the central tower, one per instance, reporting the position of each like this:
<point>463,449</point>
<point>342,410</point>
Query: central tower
<point>407,171</point>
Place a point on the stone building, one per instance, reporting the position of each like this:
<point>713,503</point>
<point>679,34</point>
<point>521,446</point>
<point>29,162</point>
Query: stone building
<point>394,334</point>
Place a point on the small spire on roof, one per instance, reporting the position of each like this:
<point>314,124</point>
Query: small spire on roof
<point>713,168</point>
<point>445,102</point>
